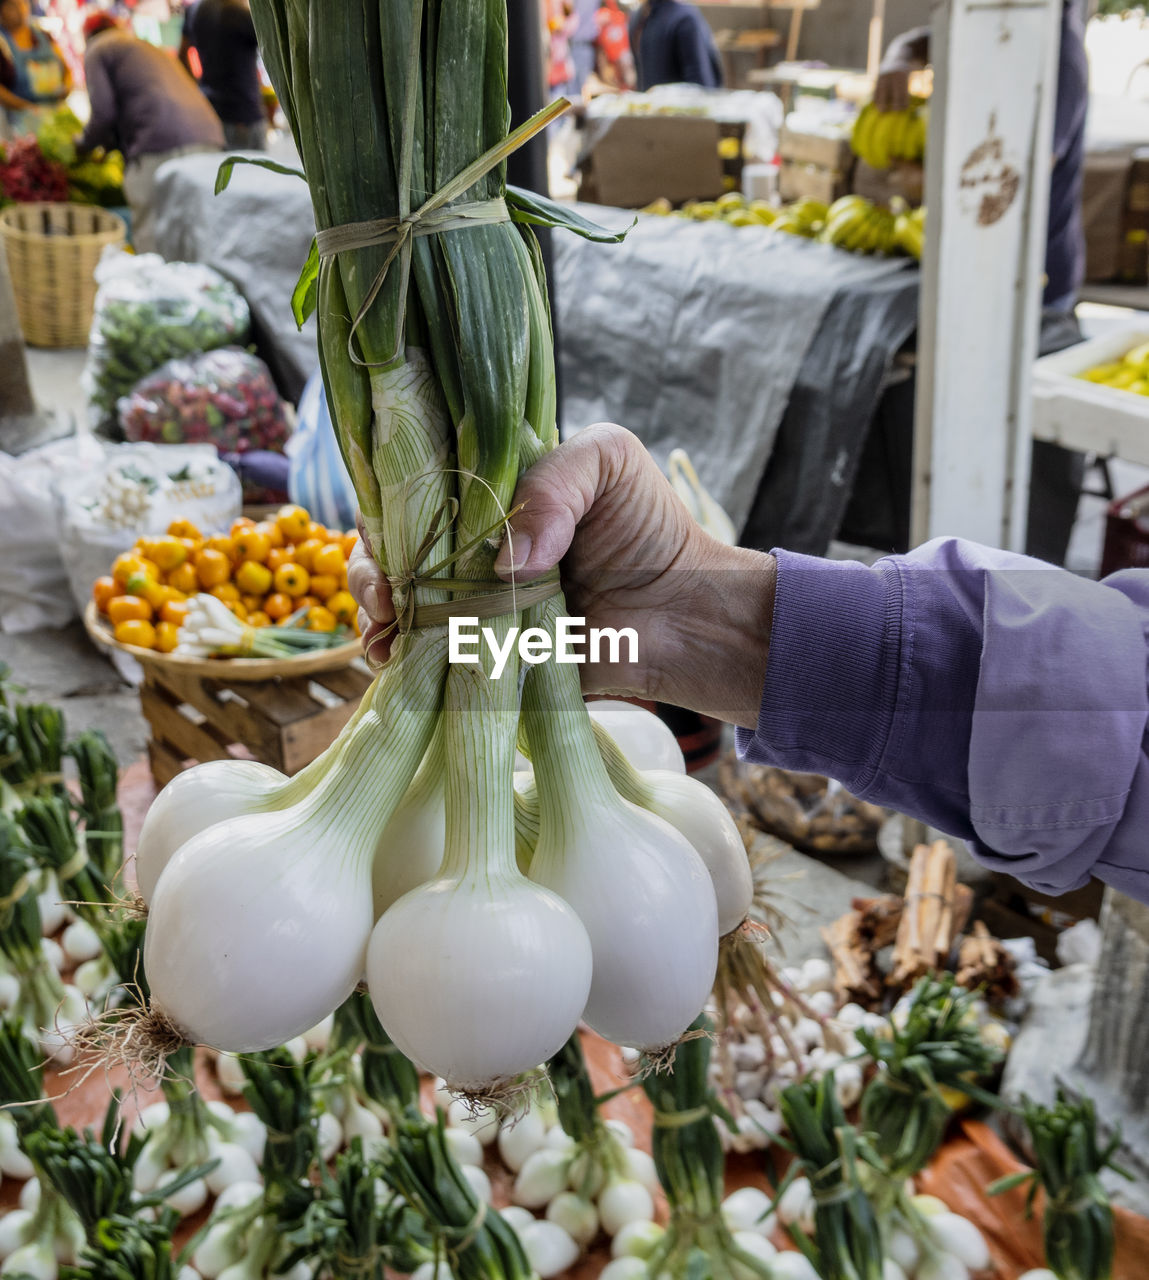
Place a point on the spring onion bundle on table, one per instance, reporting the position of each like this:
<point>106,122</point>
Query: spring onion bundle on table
<point>394,855</point>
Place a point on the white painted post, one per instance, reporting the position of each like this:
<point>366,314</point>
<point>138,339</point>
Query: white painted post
<point>987,194</point>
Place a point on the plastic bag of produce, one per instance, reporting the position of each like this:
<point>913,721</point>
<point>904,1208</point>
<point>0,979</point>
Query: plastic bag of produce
<point>147,312</point>
<point>33,582</point>
<point>138,489</point>
<point>225,397</point>
<point>318,480</point>
<point>806,810</point>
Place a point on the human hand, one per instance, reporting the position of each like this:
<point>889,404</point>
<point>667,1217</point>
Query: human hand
<point>892,90</point>
<point>632,556</point>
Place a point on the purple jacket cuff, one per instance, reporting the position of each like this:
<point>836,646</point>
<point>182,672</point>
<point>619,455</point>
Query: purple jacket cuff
<point>829,699</point>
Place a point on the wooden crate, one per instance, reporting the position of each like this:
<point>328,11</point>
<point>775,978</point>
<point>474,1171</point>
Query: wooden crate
<point>285,722</point>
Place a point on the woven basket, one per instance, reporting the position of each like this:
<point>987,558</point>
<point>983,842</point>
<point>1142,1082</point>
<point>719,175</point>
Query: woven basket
<point>52,254</point>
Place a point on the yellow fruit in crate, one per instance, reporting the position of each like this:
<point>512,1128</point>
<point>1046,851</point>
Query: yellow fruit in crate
<point>174,611</point>
<point>278,605</point>
<point>184,529</point>
<point>729,148</point>
<point>251,544</point>
<point>293,523</point>
<point>274,533</point>
<point>324,585</point>
<point>257,618</point>
<point>165,553</point>
<point>661,207</point>
<point>1139,355</point>
<point>103,590</point>
<point>128,609</point>
<point>1102,372</point>
<point>305,552</point>
<point>320,618</point>
<point>1124,378</point>
<point>731,200</point>
<point>763,212</point>
<point>184,579</point>
<point>236,606</point>
<point>741,218</point>
<point>136,631</point>
<point>704,211</point>
<point>129,564</point>
<point>251,603</point>
<point>167,636</point>
<point>253,578</point>
<point>342,605</point>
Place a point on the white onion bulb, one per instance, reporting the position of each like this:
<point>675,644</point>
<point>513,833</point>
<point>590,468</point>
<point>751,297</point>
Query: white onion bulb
<point>642,737</point>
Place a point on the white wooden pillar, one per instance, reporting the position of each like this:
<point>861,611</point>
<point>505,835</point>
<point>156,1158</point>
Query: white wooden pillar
<point>989,155</point>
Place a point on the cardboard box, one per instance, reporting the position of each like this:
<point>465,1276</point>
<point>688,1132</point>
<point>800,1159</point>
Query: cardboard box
<point>819,149</point>
<point>903,180</point>
<point>1104,190</point>
<point>631,160</point>
<point>808,181</point>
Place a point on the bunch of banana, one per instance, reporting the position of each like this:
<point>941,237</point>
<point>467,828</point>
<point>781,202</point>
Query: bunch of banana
<point>881,137</point>
<point>910,231</point>
<point>731,208</point>
<point>854,224</point>
<point>804,218</point>
<point>1130,373</point>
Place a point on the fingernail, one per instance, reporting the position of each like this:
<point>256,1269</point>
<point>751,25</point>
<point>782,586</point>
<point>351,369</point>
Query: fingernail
<point>373,600</point>
<point>519,547</point>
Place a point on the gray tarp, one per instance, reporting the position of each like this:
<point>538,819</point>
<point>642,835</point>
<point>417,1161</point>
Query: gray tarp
<point>693,334</point>
<point>257,234</point>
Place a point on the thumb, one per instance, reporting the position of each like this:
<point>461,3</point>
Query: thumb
<point>555,495</point>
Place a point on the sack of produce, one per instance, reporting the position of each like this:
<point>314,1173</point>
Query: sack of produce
<point>806,810</point>
<point>318,478</point>
<point>148,312</point>
<point>140,489</point>
<point>223,397</point>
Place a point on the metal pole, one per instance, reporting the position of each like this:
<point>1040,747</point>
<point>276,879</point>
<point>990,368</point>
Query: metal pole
<point>526,91</point>
<point>987,193</point>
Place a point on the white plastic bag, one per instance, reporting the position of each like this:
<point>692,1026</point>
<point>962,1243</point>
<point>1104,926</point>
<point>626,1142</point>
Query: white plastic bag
<point>318,479</point>
<point>137,491</point>
<point>33,582</point>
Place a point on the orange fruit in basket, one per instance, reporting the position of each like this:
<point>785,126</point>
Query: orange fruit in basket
<point>308,601</point>
<point>222,543</point>
<point>251,602</point>
<point>136,631</point>
<point>212,567</point>
<point>320,619</point>
<point>250,544</point>
<point>157,595</point>
<point>184,579</point>
<point>278,556</point>
<point>305,552</point>
<point>278,605</point>
<point>184,529</point>
<point>103,590</point>
<point>317,531</point>
<point>323,585</point>
<point>257,618</point>
<point>293,522</point>
<point>342,605</point>
<point>174,611</point>
<point>274,532</point>
<point>167,553</point>
<point>329,560</point>
<point>167,636</point>
<point>228,592</point>
<point>348,541</point>
<point>236,606</point>
<point>129,564</point>
<point>292,580</point>
<point>240,523</point>
<point>128,609</point>
<point>253,578</point>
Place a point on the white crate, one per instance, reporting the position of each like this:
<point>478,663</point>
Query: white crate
<point>1085,415</point>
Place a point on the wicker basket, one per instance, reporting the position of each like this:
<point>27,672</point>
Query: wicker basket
<point>52,254</point>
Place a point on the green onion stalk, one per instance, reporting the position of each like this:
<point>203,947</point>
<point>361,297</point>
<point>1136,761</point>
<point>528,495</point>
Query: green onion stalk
<point>688,1156</point>
<point>51,1229</point>
<point>99,775</point>
<point>474,1241</point>
<point>42,1001</point>
<point>936,1045</point>
<point>31,751</point>
<point>53,840</point>
<point>847,1243</point>
<point>1069,1157</point>
<point>598,1154</point>
<point>129,1248</point>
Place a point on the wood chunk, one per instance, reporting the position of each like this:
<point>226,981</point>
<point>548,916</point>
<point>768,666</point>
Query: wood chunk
<point>856,974</point>
<point>926,933</point>
<point>984,963</point>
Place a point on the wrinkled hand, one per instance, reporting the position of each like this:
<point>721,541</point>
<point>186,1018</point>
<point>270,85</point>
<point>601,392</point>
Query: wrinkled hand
<point>892,90</point>
<point>632,556</point>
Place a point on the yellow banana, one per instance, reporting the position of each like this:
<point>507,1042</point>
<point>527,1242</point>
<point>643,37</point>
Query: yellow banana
<point>908,235</point>
<point>863,127</point>
<point>1139,355</point>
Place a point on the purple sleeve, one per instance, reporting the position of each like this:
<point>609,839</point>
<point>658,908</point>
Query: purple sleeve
<point>101,129</point>
<point>994,697</point>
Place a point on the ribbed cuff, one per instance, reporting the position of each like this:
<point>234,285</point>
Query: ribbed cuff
<point>831,685</point>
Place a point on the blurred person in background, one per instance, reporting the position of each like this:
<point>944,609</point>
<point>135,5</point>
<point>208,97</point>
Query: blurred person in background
<point>40,76</point>
<point>672,44</point>
<point>223,36</point>
<point>148,106</point>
